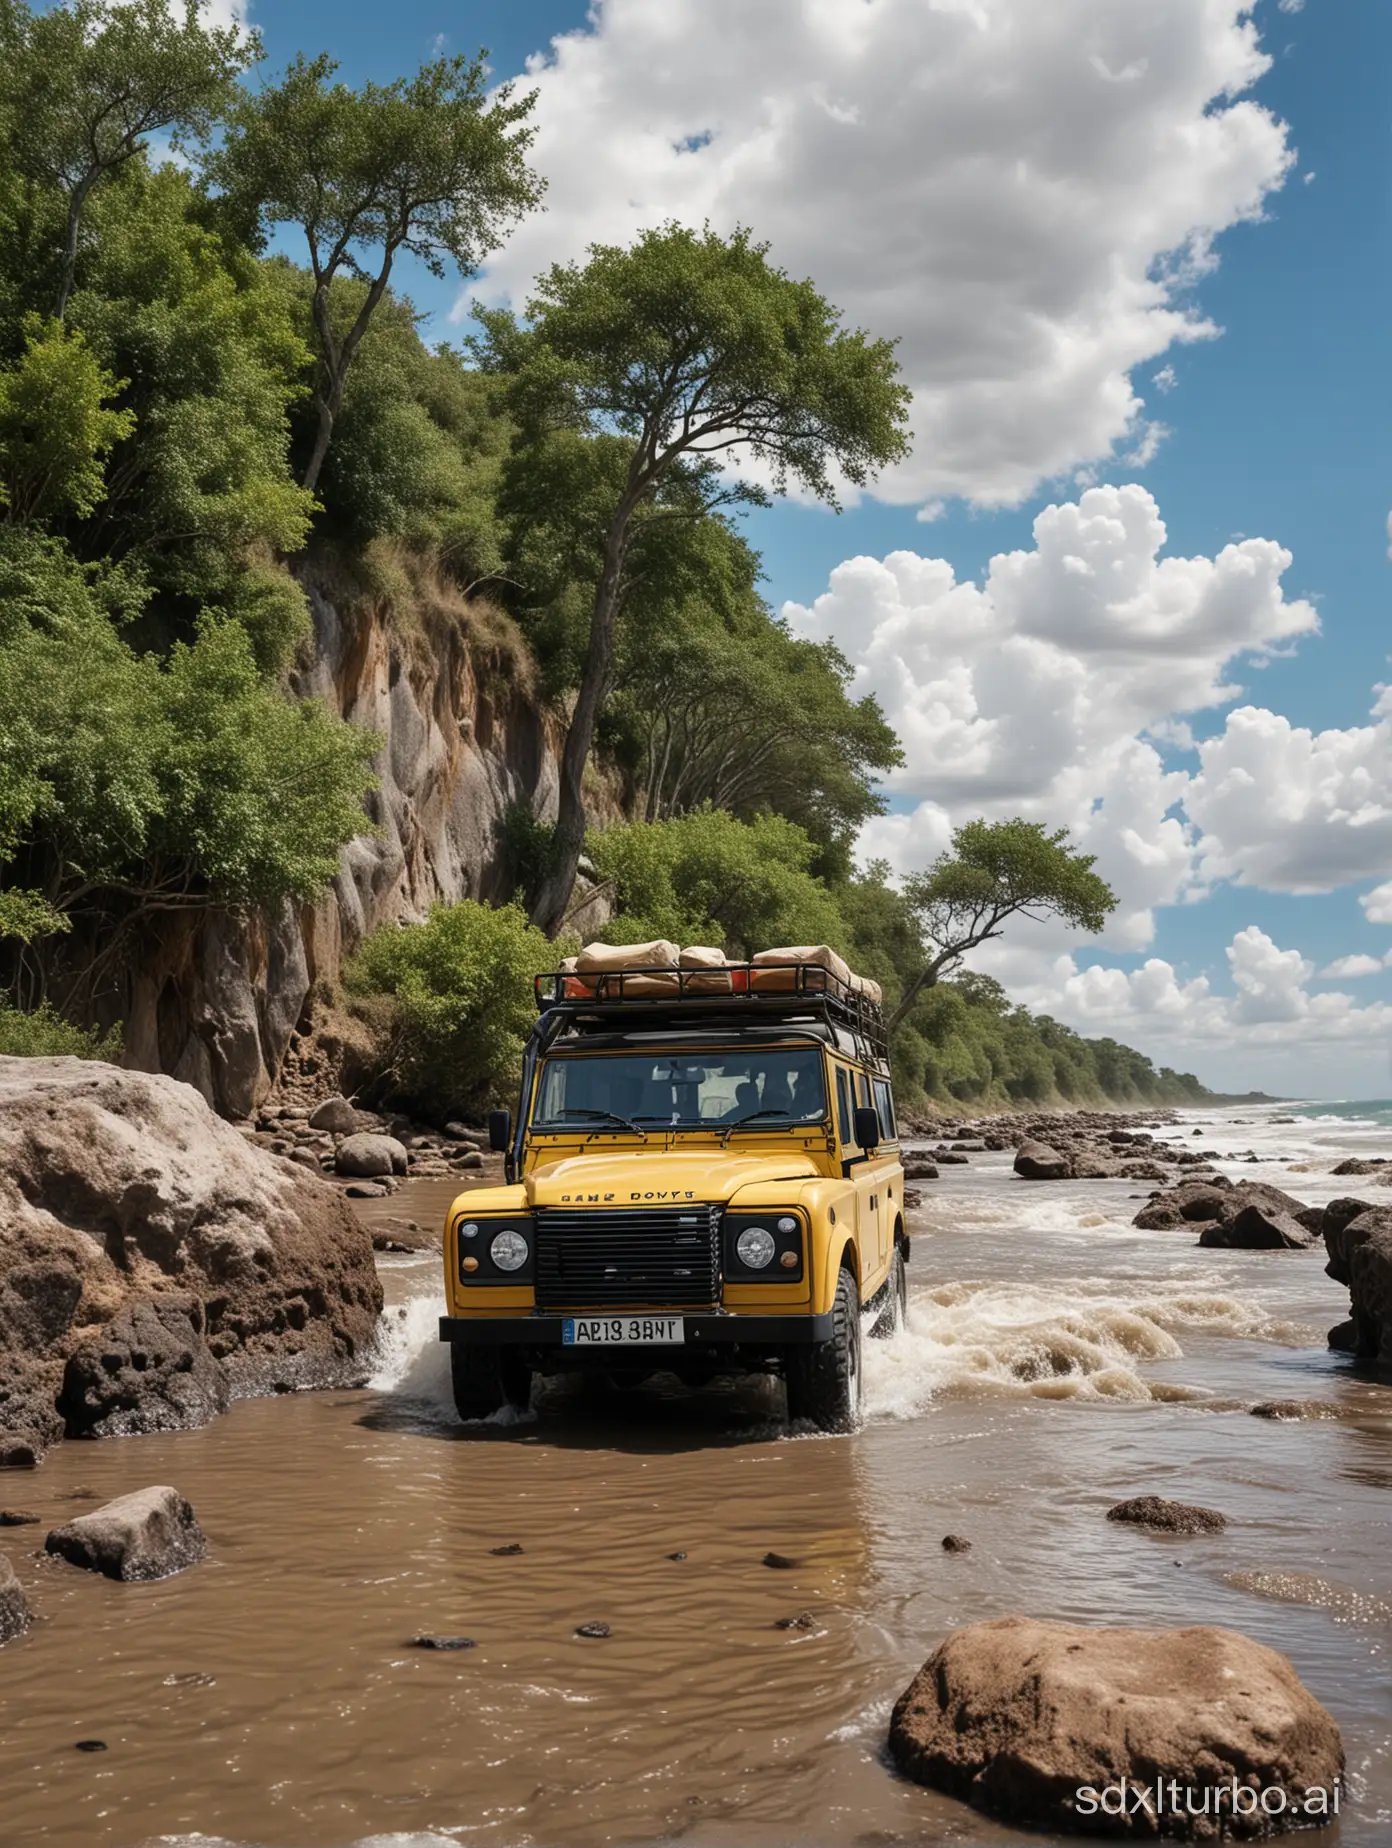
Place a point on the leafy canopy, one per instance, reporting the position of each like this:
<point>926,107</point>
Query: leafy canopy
<point>56,425</point>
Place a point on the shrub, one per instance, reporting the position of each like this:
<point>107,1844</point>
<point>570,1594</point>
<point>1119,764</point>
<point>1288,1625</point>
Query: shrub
<point>45,1035</point>
<point>461,987</point>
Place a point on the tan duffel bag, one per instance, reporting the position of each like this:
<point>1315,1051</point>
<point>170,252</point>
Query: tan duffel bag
<point>715,978</point>
<point>601,958</point>
<point>775,971</point>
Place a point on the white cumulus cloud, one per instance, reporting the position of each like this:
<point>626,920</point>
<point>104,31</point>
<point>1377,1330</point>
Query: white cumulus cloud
<point>1350,968</point>
<point>1024,194</point>
<point>1049,689</point>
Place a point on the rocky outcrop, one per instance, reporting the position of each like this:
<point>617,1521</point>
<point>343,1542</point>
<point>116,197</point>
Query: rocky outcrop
<point>154,1261</point>
<point>1019,1717</point>
<point>150,1534</point>
<point>15,1616</point>
<point>1360,1257</point>
<point>215,999</point>
<point>367,1155</point>
<point>1243,1215</point>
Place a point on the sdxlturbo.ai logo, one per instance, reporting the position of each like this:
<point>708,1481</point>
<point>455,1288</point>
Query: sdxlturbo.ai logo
<point>1168,1797</point>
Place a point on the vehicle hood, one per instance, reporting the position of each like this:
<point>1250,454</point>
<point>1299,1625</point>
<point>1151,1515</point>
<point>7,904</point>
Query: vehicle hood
<point>652,1180</point>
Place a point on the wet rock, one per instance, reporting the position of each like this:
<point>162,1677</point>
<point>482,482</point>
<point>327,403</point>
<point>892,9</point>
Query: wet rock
<point>995,1144</point>
<point>17,1450</point>
<point>1258,1228</point>
<point>781,1562</point>
<point>1016,1716</point>
<point>15,1615</point>
<point>150,1534</point>
<point>467,1163</point>
<point>336,1117</point>
<point>919,1167</point>
<point>149,1369</point>
<point>1355,1165</point>
<point>1291,1410</point>
<point>367,1190</point>
<point>510,1551</point>
<point>912,1197</point>
<point>1312,1218</point>
<point>18,1517</point>
<point>676,1555</point>
<point>367,1156</point>
<point>956,1543</point>
<point>403,1235</point>
<point>90,1745</point>
<point>1360,1257</point>
<point>1337,1215</point>
<point>948,1158</point>
<point>461,1133</point>
<point>1169,1517</point>
<point>305,1157</point>
<point>804,1620</point>
<point>119,1188</point>
<point>593,1629</point>
<point>443,1642</point>
<point>1215,1201</point>
<point>1036,1161</point>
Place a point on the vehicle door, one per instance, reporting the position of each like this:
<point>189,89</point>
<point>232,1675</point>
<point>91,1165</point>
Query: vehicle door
<point>852,1089</point>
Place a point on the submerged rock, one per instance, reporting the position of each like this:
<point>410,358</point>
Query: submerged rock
<point>1019,1716</point>
<point>119,1189</point>
<point>919,1167</point>
<point>1258,1228</point>
<point>15,1615</point>
<point>1170,1517</point>
<point>150,1534</point>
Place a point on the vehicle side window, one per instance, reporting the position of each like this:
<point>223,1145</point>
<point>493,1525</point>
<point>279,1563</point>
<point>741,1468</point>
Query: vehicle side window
<point>843,1105</point>
<point>863,1091</point>
<point>884,1103</point>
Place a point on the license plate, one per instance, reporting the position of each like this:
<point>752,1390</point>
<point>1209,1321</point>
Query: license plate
<point>644,1330</point>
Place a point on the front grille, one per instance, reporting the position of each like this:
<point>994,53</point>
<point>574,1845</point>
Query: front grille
<point>639,1257</point>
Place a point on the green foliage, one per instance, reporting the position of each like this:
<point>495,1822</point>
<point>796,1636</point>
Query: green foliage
<point>710,878</point>
<point>164,781</point>
<point>43,1034</point>
<point>686,341</point>
<point>83,87</point>
<point>56,427</point>
<point>433,165</point>
<point>28,915</point>
<point>461,985</point>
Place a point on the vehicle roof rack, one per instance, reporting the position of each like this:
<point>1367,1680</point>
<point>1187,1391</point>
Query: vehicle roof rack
<point>735,993</point>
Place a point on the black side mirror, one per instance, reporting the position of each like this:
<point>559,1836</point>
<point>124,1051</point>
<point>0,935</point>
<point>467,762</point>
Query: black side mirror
<point>500,1131</point>
<point>867,1126</point>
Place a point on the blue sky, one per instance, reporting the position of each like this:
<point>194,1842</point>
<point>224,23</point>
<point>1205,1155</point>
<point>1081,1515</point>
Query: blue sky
<point>1276,427</point>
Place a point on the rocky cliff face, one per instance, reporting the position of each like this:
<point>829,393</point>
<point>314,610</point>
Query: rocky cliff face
<point>215,1001</point>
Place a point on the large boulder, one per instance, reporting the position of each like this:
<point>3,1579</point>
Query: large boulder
<point>1258,1227</point>
<point>366,1156</point>
<point>150,1534</point>
<point>1036,1161</point>
<point>919,1167</point>
<point>1034,1720</point>
<point>15,1617</point>
<point>336,1116</point>
<point>119,1189</point>
<point>1360,1257</point>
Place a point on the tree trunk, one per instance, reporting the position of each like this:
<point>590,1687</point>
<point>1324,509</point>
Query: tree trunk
<point>322,437</point>
<point>553,899</point>
<point>68,262</point>
<point>925,978</point>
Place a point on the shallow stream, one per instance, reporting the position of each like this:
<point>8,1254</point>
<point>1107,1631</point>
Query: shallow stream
<point>1056,1361</point>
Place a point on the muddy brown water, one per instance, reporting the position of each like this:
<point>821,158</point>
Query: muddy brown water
<point>1056,1361</point>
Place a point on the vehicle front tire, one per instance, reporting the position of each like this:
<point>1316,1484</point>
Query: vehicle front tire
<point>485,1379</point>
<point>895,1311</point>
<point>824,1379</point>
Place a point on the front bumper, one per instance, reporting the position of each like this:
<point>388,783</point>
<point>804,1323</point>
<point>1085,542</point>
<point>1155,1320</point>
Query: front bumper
<point>710,1330</point>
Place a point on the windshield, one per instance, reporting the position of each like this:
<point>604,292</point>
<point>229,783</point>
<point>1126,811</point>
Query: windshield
<point>683,1090</point>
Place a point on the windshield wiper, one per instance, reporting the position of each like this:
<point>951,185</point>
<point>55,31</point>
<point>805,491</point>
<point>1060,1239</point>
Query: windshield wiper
<point>753,1117</point>
<point>594,1116</point>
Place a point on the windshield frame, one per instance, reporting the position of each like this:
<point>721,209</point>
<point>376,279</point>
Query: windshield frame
<point>645,1126</point>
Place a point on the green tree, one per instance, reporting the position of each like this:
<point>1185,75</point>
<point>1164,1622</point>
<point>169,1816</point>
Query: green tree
<point>993,872</point>
<point>431,165</point>
<point>56,425</point>
<point>83,87</point>
<point>707,877</point>
<point>686,346</point>
<point>462,1003</point>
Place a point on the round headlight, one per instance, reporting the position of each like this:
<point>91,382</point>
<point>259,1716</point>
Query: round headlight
<point>755,1247</point>
<point>468,1231</point>
<point>508,1250</point>
<point>787,1223</point>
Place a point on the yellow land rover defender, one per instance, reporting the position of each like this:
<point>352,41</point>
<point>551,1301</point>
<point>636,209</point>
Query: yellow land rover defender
<point>703,1179</point>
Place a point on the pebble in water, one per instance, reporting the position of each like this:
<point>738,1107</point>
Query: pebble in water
<point>505,1552</point>
<point>91,1745</point>
<point>592,1629</point>
<point>443,1642</point>
<point>956,1543</point>
<point>803,1621</point>
<point>780,1562</point>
